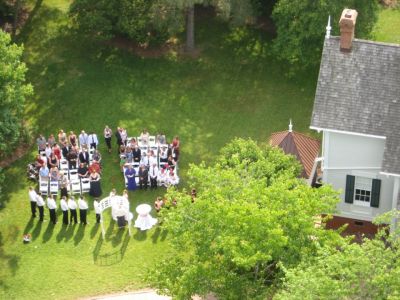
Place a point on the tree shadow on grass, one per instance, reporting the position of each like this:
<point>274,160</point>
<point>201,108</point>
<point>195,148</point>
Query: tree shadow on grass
<point>11,260</point>
<point>48,233</point>
<point>27,28</point>
<point>140,235</point>
<point>36,231</point>
<point>79,234</point>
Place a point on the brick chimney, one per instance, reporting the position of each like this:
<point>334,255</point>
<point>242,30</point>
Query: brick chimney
<point>347,25</point>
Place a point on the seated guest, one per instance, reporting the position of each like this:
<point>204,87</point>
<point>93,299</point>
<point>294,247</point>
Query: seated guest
<point>153,171</point>
<point>144,136</point>
<point>132,143</point>
<point>152,158</point>
<point>72,158</point>
<point>41,143</point>
<point>144,160</point>
<point>172,178</point>
<point>160,139</point>
<point>83,139</point>
<point>51,140</point>
<point>39,162</point>
<point>65,148</point>
<point>62,138</point>
<point>53,161</point>
<point>72,139</point>
<point>163,154</point>
<point>83,171</point>
<point>171,162</point>
<point>94,167</point>
<point>162,177</point>
<point>121,150</point>
<point>158,204</point>
<point>143,177</point>
<point>175,142</point>
<point>48,150</point>
<point>128,154</point>
<point>84,156</point>
<point>44,172</point>
<point>54,174</point>
<point>57,151</point>
<point>137,154</point>
<point>96,156</point>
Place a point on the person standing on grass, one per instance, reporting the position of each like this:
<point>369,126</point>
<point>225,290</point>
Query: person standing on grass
<point>40,204</point>
<point>107,137</point>
<point>33,200</point>
<point>93,140</point>
<point>52,205</point>
<point>64,208</point>
<point>72,209</point>
<point>97,210</point>
<point>83,139</point>
<point>83,207</point>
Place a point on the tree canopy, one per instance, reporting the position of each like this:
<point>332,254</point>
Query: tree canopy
<point>251,216</point>
<point>13,91</point>
<point>301,26</point>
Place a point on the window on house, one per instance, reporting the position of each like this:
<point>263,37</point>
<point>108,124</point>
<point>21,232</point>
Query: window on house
<point>362,191</point>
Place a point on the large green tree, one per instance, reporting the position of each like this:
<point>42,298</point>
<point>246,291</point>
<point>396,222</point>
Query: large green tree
<point>300,26</point>
<point>13,91</point>
<point>251,216</point>
<point>370,270</point>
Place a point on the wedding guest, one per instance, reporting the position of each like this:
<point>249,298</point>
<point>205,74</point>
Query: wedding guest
<point>51,140</point>
<point>118,137</point>
<point>97,210</point>
<point>162,177</point>
<point>83,139</point>
<point>41,143</point>
<point>124,136</point>
<point>152,158</point>
<point>53,161</point>
<point>95,187</point>
<point>40,204</point>
<point>83,207</point>
<point>44,172</point>
<point>153,171</point>
<point>143,177</point>
<point>57,151</point>
<point>130,176</point>
<point>52,206</point>
<point>83,171</point>
<point>93,140</point>
<point>64,208</point>
<point>122,162</point>
<point>84,156</point>
<point>160,139</point>
<point>107,137</point>
<point>64,183</point>
<point>172,178</point>
<point>171,162</point>
<point>158,204</point>
<point>48,150</point>
<point>144,136</point>
<point>94,167</point>
<point>144,160</point>
<point>137,154</point>
<point>54,174</point>
<point>129,154</point>
<point>163,154</point>
<point>65,150</point>
<point>72,209</point>
<point>62,138</point>
<point>39,162</point>
<point>72,158</point>
<point>72,139</point>
<point>33,200</point>
<point>132,143</point>
<point>96,156</point>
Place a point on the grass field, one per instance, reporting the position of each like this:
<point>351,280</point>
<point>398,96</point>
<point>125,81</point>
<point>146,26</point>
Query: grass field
<point>234,89</point>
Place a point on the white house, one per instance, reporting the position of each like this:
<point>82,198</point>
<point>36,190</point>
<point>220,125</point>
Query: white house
<point>357,107</point>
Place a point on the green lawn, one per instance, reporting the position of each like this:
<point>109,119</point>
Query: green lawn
<point>388,27</point>
<point>234,89</point>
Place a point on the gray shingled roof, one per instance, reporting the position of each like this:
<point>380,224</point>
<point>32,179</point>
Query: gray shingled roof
<point>359,91</point>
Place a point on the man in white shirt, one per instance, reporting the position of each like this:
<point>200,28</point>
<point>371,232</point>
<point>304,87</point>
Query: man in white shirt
<point>33,200</point>
<point>51,204</point>
<point>72,209</point>
<point>64,208</point>
<point>93,141</point>
<point>97,210</point>
<point>40,205</point>
<point>83,139</point>
<point>83,207</point>
<point>153,172</point>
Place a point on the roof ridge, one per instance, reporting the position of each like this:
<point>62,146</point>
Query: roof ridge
<point>370,42</point>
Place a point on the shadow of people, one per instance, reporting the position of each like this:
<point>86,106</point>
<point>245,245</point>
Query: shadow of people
<point>62,233</point>
<point>36,231</point>
<point>48,233</point>
<point>164,234</point>
<point>125,244</point>
<point>155,235</point>
<point>70,232</point>
<point>140,235</point>
<point>28,226</point>
<point>97,248</point>
<point>94,230</point>
<point>79,234</point>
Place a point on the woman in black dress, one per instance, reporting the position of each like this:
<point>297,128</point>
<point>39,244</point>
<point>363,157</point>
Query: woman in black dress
<point>95,187</point>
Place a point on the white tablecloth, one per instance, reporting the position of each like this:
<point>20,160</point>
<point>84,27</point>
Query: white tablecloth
<point>144,221</point>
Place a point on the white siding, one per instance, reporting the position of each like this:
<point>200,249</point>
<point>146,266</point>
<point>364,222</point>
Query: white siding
<point>360,156</point>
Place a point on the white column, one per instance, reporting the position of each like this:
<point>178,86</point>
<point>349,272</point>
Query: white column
<point>396,187</point>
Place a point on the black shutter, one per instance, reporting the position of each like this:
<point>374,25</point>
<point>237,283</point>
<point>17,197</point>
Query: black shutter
<point>376,192</point>
<point>349,196</point>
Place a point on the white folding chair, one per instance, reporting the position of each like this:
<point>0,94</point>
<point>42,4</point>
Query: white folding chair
<point>76,186</point>
<point>73,174</point>
<point>91,152</point>
<point>152,140</point>
<point>54,187</point>
<point>85,185</point>
<point>44,187</point>
<point>64,164</point>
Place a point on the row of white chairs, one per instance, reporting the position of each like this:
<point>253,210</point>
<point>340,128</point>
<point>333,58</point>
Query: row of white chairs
<point>75,186</point>
<point>136,168</point>
<point>63,162</point>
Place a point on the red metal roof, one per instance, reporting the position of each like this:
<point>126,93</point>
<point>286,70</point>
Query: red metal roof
<point>305,148</point>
